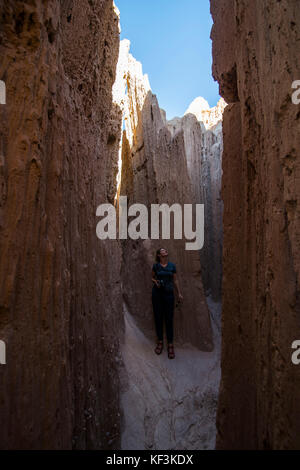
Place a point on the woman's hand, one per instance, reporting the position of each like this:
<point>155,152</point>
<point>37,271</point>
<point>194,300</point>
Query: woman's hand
<point>155,280</point>
<point>180,296</point>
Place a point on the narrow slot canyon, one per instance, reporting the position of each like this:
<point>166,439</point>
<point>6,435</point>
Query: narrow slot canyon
<point>169,406</point>
<point>81,126</point>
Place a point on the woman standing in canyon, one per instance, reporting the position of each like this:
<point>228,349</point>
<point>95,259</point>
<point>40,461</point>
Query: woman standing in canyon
<point>164,277</point>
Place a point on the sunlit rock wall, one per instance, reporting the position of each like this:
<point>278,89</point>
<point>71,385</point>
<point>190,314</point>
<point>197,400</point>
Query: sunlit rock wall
<point>154,171</point>
<point>203,139</point>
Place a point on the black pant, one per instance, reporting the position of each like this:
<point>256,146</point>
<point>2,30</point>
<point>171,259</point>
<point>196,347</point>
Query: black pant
<point>163,307</point>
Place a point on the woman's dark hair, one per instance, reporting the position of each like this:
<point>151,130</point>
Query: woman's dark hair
<point>157,255</point>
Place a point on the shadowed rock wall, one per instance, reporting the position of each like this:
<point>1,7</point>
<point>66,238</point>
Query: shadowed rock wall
<point>255,62</point>
<point>58,316</point>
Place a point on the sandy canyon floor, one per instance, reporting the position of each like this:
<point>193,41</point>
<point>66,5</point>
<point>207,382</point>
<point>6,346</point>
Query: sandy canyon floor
<point>169,404</point>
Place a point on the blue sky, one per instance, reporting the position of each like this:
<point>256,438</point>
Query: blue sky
<point>172,40</point>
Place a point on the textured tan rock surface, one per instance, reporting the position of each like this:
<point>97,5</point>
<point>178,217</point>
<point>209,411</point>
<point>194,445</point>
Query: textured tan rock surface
<point>255,61</point>
<point>208,116</point>
<point>203,140</point>
<point>155,171</point>
<point>58,316</point>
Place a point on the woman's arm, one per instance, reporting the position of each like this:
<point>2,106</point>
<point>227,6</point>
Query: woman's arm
<point>155,280</point>
<point>177,287</point>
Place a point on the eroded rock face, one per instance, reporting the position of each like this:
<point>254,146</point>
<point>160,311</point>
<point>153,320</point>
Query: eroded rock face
<point>155,171</point>
<point>60,286</point>
<point>210,117</point>
<point>255,61</point>
<point>203,140</point>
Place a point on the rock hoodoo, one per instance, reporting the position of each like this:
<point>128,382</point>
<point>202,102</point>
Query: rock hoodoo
<point>256,61</point>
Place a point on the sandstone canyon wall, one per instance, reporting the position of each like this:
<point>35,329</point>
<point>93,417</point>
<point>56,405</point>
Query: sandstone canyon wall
<point>256,60</point>
<point>163,162</point>
<point>154,171</point>
<point>58,317</point>
<point>203,140</point>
